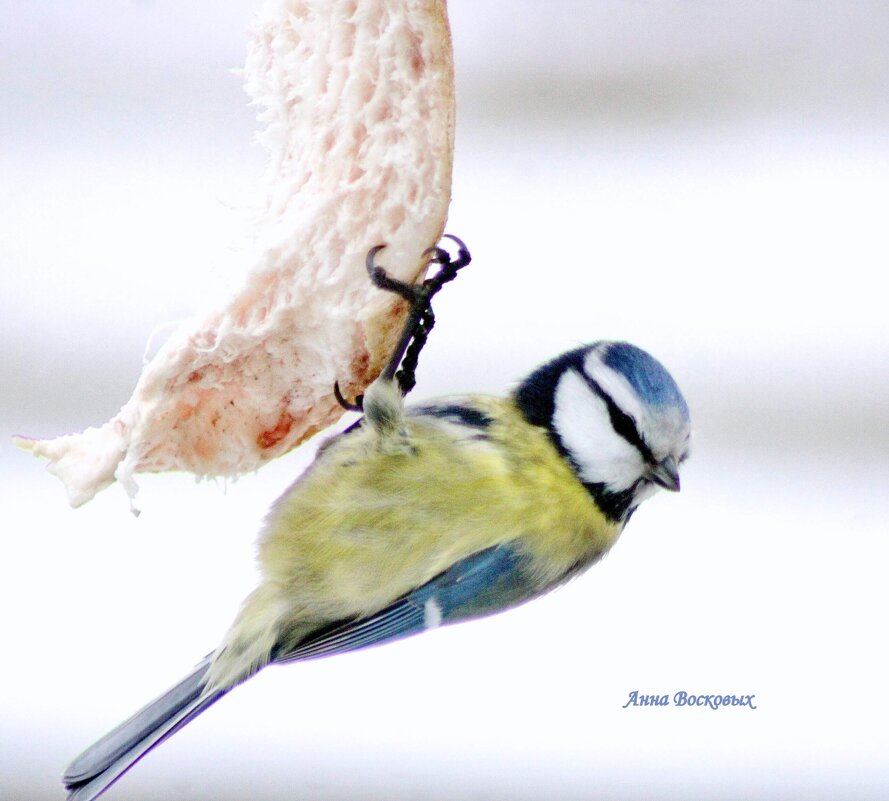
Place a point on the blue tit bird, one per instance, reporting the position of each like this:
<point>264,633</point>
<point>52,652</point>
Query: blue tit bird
<point>422,516</point>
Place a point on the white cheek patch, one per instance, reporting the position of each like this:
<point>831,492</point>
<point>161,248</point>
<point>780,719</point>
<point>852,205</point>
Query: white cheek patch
<point>581,419</point>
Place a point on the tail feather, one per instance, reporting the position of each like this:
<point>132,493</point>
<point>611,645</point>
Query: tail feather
<point>104,762</point>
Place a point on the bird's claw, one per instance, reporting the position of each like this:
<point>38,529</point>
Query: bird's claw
<point>420,317</point>
<point>356,406</point>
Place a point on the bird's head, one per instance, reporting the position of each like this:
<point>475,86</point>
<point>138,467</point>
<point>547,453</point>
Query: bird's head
<point>617,416</point>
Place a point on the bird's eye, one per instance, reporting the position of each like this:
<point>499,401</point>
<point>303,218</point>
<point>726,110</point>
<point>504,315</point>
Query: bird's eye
<point>623,424</point>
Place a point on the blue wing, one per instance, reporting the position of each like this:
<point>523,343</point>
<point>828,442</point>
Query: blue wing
<point>486,582</point>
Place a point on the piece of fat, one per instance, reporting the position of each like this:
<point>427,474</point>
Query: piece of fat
<point>359,119</point>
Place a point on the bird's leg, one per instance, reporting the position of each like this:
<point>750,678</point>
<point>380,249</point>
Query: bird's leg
<point>420,319</point>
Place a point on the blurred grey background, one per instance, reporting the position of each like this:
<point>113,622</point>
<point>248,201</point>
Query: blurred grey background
<point>707,179</point>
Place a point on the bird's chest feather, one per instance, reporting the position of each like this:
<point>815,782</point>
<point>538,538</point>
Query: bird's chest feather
<point>366,522</point>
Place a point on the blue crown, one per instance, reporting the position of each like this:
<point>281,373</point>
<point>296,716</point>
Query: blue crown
<point>646,375</point>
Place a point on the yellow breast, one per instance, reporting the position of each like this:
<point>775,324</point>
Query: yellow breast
<point>366,524</point>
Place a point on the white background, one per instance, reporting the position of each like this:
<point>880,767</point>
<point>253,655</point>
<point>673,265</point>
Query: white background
<point>709,180</point>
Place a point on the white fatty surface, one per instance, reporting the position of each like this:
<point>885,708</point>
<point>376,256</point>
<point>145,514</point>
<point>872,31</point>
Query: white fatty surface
<point>359,117</point>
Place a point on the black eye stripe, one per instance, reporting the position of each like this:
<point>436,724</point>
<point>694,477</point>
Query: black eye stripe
<point>621,422</point>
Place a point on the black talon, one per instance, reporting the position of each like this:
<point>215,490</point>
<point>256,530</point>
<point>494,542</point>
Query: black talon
<point>382,280</point>
<point>463,257</point>
<point>437,255</point>
<point>420,317</point>
<point>358,406</point>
